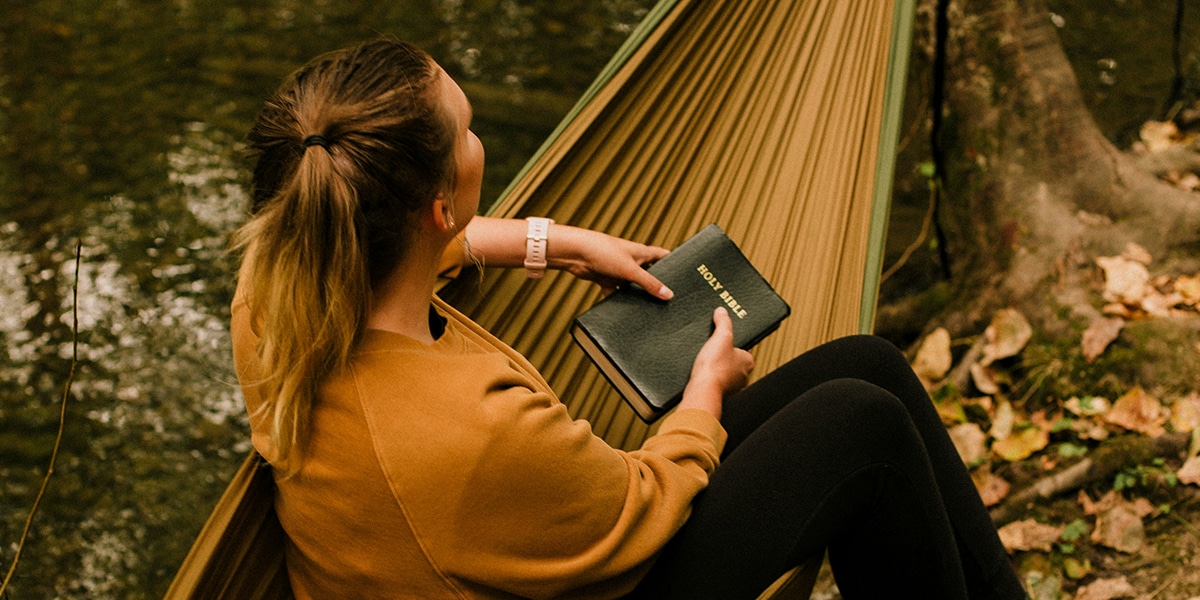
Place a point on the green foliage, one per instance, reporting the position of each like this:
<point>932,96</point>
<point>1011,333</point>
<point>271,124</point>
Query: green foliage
<point>1070,450</point>
<point>1144,475</point>
<point>1074,530</point>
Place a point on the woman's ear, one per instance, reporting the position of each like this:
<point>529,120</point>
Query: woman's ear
<point>442,215</point>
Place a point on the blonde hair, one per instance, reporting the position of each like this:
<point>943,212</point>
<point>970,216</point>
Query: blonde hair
<point>333,213</point>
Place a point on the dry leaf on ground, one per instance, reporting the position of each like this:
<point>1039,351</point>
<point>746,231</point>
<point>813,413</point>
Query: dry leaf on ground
<point>1189,287</point>
<point>1138,411</point>
<point>984,380</point>
<point>1087,406</point>
<point>1007,335</point>
<point>1158,135</point>
<point>1021,444</point>
<point>950,409</point>
<point>1003,420</point>
<point>1125,281</point>
<point>1099,335</point>
<point>1190,471</point>
<point>1185,413</point>
<point>1106,589</point>
<point>992,487</point>
<point>1137,253</point>
<point>970,442</point>
<point>1120,528</point>
<point>1090,429</point>
<point>1162,305</point>
<point>1029,535</point>
<point>933,358</point>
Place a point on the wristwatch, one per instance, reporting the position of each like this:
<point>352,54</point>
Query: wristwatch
<point>535,246</point>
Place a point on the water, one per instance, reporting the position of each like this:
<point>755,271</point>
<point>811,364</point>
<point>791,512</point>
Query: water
<point>121,126</point>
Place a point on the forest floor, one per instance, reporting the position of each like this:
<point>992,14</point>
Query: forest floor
<point>1084,441</point>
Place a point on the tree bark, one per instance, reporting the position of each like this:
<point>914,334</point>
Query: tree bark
<point>1031,183</point>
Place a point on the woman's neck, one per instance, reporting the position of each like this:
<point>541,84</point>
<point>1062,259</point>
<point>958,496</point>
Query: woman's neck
<point>400,304</point>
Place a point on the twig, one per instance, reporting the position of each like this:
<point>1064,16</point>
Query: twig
<point>926,223</point>
<point>62,419</point>
<point>1108,459</point>
<point>1162,587</point>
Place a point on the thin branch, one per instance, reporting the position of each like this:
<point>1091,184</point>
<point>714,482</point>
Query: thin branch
<point>920,241</point>
<point>62,419</point>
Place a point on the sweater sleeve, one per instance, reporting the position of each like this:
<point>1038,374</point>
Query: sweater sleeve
<point>567,512</point>
<point>547,509</point>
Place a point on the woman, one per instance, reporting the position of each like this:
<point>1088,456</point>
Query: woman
<point>417,456</point>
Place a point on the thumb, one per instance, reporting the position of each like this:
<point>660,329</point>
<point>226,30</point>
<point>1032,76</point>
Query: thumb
<point>722,322</point>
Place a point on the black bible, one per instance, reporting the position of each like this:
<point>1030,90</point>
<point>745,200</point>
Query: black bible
<point>645,346</point>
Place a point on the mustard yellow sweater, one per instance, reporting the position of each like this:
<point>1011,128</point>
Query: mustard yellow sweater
<point>451,470</point>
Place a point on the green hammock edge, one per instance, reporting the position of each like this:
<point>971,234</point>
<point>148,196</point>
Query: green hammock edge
<point>885,167</point>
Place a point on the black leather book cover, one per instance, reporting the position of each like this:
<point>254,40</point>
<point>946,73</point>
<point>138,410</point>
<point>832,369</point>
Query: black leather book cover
<point>645,346</point>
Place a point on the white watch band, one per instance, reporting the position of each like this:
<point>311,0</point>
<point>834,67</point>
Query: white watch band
<point>535,246</point>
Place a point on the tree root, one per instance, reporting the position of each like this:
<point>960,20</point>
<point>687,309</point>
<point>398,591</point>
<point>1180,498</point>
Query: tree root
<point>1104,462</point>
<point>1177,158</point>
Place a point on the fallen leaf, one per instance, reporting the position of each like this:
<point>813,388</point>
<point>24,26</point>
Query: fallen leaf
<point>1007,335</point>
<point>1106,589</point>
<point>1137,253</point>
<point>1042,586</point>
<point>1119,528</point>
<point>1075,568</point>
<point>1116,309</point>
<point>1185,413</point>
<point>1090,429</point>
<point>970,442</point>
<point>1161,305</point>
<point>1189,287</point>
<point>1189,473</point>
<point>1125,281</point>
<point>1029,535</point>
<point>1085,501</point>
<point>1138,411</point>
<point>1101,333</point>
<point>992,487</point>
<point>933,358</point>
<point>1142,507</point>
<point>1020,445</point>
<point>983,379</point>
<point>1003,420</point>
<point>950,410</point>
<point>1158,135</point>
<point>1087,406</point>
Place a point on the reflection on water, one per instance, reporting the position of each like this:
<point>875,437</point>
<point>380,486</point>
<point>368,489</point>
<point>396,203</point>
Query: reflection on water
<point>121,125</point>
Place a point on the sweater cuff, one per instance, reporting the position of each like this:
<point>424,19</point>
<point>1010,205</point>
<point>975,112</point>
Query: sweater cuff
<point>698,421</point>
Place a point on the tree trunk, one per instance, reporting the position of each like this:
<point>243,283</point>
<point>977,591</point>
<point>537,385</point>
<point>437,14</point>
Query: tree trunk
<point>1032,189</point>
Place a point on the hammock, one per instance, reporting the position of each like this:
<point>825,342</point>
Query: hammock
<point>776,119</point>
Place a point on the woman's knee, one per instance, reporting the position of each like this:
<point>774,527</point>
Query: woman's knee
<point>861,412</point>
<point>871,351</point>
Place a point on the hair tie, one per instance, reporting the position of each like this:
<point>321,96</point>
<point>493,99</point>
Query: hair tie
<point>315,140</point>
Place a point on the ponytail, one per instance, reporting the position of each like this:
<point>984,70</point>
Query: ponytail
<point>347,150</point>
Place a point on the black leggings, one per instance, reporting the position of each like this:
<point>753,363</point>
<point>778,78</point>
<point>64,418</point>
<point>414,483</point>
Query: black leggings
<point>839,449</point>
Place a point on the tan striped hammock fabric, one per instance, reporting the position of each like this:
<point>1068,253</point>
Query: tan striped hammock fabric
<point>776,119</point>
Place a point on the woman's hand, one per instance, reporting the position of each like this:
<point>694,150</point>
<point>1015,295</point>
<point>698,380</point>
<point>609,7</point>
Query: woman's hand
<point>606,260</point>
<point>720,369</point>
